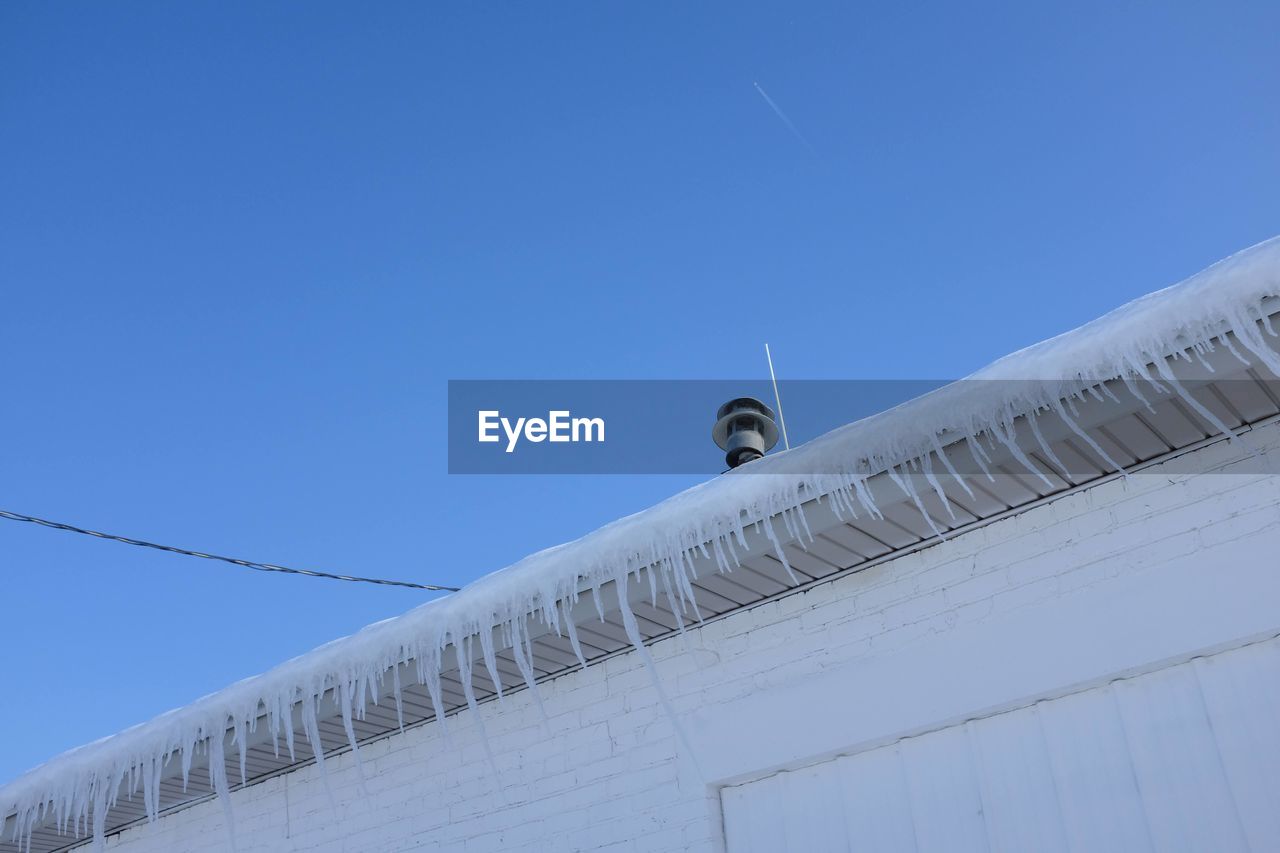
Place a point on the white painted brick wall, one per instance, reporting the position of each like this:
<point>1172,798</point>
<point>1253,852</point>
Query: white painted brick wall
<point>603,772</point>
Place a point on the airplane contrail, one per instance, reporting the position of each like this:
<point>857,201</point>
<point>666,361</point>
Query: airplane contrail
<point>784,118</point>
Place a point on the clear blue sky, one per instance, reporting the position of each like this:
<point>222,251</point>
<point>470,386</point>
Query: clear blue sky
<point>243,247</point>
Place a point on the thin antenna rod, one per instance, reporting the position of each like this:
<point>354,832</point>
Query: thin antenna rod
<point>777,399</point>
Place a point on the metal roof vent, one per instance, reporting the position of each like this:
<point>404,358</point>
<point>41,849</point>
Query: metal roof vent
<point>744,430</point>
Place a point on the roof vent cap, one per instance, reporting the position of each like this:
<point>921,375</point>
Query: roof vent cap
<point>744,430</point>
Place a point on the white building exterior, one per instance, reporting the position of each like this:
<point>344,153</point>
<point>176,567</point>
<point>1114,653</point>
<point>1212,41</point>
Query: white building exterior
<point>1100,672</point>
<point>1085,662</point>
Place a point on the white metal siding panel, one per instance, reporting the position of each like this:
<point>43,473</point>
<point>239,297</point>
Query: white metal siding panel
<point>945,801</point>
<point>1019,793</point>
<point>747,828</point>
<point>876,779</point>
<point>1184,789</point>
<point>1244,710</point>
<point>1181,759</point>
<point>1095,781</point>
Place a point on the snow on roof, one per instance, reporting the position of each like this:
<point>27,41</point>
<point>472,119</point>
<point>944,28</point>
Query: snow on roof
<point>76,788</point>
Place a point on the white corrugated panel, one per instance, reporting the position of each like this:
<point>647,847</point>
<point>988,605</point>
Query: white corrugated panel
<point>1183,759</point>
<point>1096,786</point>
<point>942,783</point>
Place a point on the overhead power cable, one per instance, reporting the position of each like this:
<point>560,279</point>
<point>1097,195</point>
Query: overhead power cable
<point>248,564</point>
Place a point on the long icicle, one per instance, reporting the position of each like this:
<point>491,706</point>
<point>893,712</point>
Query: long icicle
<point>462,650</point>
<point>637,641</point>
<point>218,777</point>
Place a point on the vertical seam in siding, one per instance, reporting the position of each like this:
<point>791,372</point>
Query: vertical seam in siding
<point>906,787</point>
<point>1194,666</point>
<point>1053,775</point>
<point>975,761</point>
<point>1133,770</point>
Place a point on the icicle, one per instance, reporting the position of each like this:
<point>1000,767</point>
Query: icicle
<point>99,817</point>
<point>311,726</point>
<point>429,676</point>
<point>367,690</point>
<point>840,502</point>
<point>218,778</point>
<point>572,630</point>
<point>363,690</point>
<point>286,715</point>
<point>462,650</point>
<point>1167,375</point>
<point>1133,389</point>
<point>150,789</point>
<point>864,497</point>
<point>1231,348</point>
<point>241,740</point>
<point>685,572</point>
<point>491,661</point>
<point>674,604</point>
<point>979,456</point>
<point>188,747</point>
<point>789,524</point>
<point>1088,439</point>
<point>1005,435</point>
<point>946,462</point>
<point>740,535</point>
<point>1138,367</point>
<point>777,549</point>
<point>346,699</point>
<point>910,492</point>
<point>927,466</point>
<point>595,594</point>
<point>1247,334</point>
<point>1034,421</point>
<point>399,696</point>
<point>1198,349</point>
<point>522,651</point>
<point>727,542</point>
<point>1266,324</point>
<point>722,560</point>
<point>637,641</point>
<point>804,521</point>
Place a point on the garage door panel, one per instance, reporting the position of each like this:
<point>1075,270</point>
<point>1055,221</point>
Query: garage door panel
<point>877,814</point>
<point>1096,787</point>
<point>1019,794</point>
<point>1184,790</point>
<point>753,818</point>
<point>942,784</point>
<point>1242,695</point>
<point>1186,758</point>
